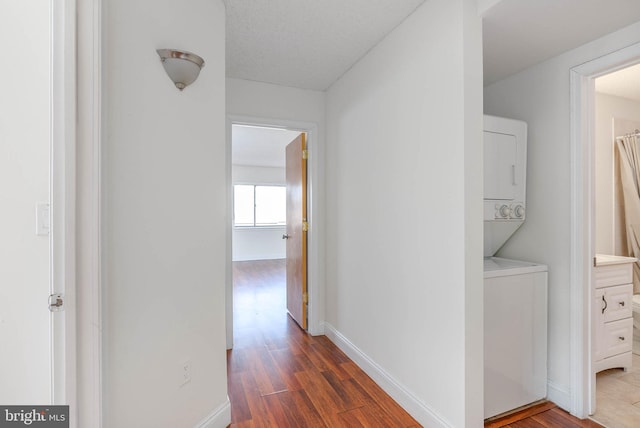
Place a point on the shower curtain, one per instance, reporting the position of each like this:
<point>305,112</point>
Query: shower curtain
<point>628,169</point>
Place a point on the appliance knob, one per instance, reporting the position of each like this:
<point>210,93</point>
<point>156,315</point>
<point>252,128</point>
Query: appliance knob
<point>505,211</point>
<point>518,211</point>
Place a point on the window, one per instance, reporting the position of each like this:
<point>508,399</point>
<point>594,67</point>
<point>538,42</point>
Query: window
<point>259,206</point>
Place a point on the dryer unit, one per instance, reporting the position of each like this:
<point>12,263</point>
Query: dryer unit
<point>505,171</point>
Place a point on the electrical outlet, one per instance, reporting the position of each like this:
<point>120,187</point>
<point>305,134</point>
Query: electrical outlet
<point>186,372</point>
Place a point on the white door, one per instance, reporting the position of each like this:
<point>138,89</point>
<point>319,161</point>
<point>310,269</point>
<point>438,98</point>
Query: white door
<point>35,227</point>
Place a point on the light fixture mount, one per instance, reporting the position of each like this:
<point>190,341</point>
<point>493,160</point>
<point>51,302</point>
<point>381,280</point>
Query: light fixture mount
<point>182,67</point>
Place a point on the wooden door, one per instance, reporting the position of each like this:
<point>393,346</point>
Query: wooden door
<point>296,236</point>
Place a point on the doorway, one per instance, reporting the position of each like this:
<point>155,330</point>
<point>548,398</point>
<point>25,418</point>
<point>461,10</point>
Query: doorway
<point>617,114</point>
<point>260,226</point>
<point>583,233</point>
<point>250,171</point>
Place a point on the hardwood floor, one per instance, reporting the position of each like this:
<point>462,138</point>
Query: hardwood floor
<point>279,376</point>
<point>542,415</point>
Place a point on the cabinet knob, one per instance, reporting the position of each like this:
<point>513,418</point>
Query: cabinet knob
<point>621,338</point>
<point>621,304</point>
<point>604,308</point>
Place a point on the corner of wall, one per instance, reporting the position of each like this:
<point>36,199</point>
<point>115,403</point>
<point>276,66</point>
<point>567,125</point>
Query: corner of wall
<point>559,394</point>
<point>399,392</point>
<point>218,418</point>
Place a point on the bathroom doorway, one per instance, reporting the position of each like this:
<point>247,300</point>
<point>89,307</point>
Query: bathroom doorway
<point>583,224</point>
<point>616,206</point>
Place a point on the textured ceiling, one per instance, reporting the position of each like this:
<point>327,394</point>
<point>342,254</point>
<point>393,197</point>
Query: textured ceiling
<point>310,43</point>
<point>306,43</point>
<point>624,83</point>
<point>520,33</point>
<point>258,146</point>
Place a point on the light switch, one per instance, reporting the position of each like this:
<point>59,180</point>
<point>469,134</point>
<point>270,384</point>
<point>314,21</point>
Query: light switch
<point>42,219</point>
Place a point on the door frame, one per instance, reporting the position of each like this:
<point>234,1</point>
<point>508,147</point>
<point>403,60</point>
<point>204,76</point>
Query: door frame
<point>582,84</point>
<point>88,72</point>
<point>315,258</point>
<point>62,191</point>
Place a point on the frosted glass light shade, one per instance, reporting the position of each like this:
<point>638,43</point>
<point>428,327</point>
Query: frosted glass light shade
<point>181,66</point>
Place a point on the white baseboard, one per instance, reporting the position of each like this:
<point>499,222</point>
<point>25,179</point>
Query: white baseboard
<point>316,330</point>
<point>560,395</point>
<point>416,408</point>
<point>219,418</point>
<point>257,257</point>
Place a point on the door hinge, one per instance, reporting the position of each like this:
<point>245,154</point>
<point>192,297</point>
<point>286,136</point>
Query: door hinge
<point>56,302</point>
<point>305,297</point>
<point>305,154</point>
<point>305,226</point>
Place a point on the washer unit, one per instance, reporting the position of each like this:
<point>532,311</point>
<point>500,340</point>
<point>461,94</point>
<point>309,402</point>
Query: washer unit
<point>515,292</point>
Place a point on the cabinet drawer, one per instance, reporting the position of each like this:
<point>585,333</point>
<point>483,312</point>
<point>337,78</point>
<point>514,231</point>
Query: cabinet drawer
<point>606,276</point>
<point>616,302</point>
<point>617,337</point>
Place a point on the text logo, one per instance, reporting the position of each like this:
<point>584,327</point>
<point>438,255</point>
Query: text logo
<point>34,416</point>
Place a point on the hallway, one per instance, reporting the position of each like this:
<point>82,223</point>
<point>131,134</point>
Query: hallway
<point>281,377</point>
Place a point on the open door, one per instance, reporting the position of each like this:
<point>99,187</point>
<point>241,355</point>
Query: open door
<point>297,226</point>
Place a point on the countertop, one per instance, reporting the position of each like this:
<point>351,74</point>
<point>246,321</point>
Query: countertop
<point>606,260</point>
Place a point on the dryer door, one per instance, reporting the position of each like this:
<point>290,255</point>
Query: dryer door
<point>500,160</point>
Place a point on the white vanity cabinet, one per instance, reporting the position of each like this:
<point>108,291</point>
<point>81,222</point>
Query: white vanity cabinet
<point>612,313</point>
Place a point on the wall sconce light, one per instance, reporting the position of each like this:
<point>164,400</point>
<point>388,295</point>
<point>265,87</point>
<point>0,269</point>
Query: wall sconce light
<point>182,67</point>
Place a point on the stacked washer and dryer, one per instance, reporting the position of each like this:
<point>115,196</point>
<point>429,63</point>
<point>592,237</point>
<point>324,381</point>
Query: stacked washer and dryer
<point>515,291</point>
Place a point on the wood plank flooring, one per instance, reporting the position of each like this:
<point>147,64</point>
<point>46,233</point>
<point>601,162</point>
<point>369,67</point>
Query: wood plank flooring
<point>279,376</point>
<point>541,415</point>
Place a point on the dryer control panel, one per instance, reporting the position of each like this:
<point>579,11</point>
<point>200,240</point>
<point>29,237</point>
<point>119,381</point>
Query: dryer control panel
<point>508,211</point>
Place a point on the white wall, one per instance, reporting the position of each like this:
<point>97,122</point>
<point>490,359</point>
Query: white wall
<point>164,218</point>
<point>264,100</point>
<point>24,180</point>
<point>259,243</point>
<point>404,219</point>
<point>245,174</point>
<point>608,108</point>
<point>540,96</point>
